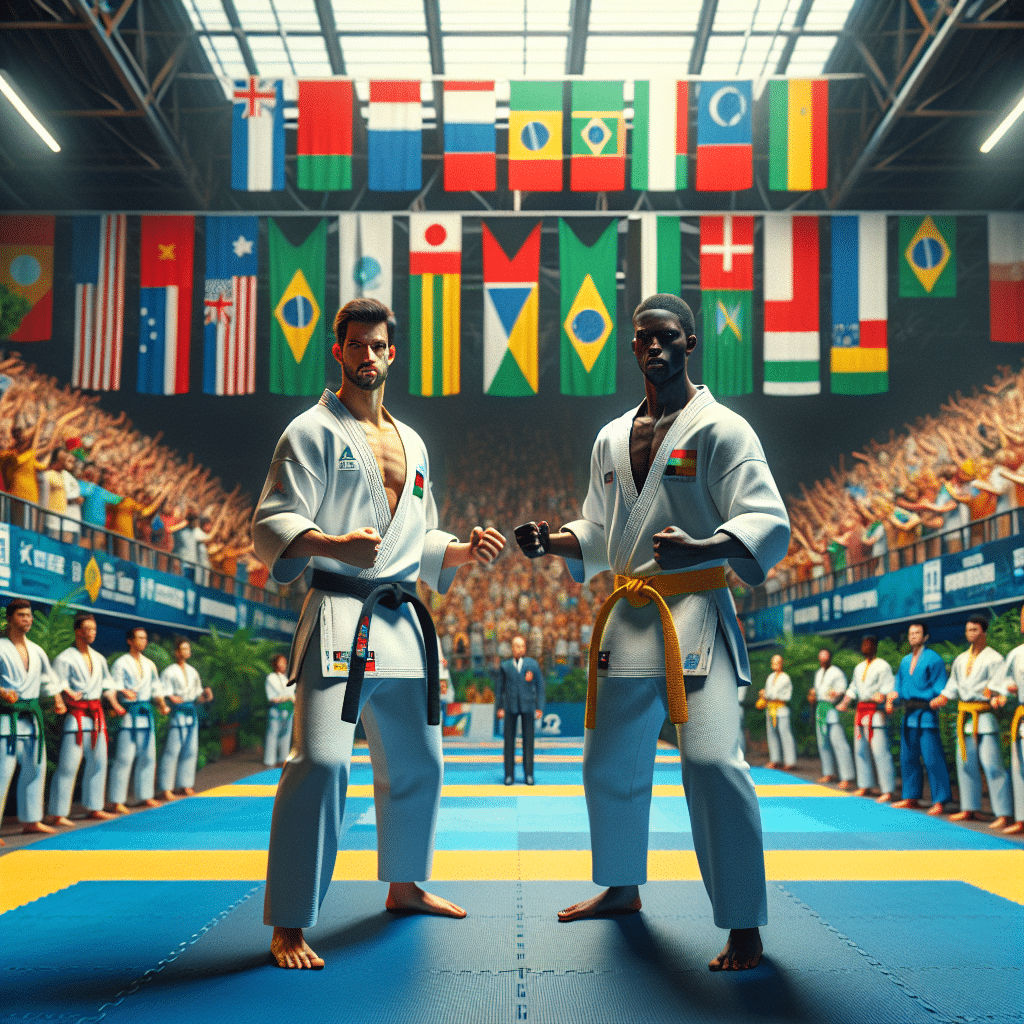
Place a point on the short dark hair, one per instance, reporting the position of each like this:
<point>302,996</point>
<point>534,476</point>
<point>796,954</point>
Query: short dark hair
<point>918,622</point>
<point>179,640</point>
<point>364,311</point>
<point>129,634</point>
<point>83,617</point>
<point>16,604</point>
<point>870,636</point>
<point>673,304</point>
<point>979,619</point>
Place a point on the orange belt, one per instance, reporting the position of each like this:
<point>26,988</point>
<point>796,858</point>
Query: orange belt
<point>640,591</point>
<point>1018,717</point>
<point>973,708</point>
<point>773,707</point>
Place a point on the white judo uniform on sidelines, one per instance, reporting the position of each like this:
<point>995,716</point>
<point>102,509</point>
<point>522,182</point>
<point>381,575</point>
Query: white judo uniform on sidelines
<point>781,745</point>
<point>88,682</point>
<point>278,740</point>
<point>20,743</point>
<point>1013,672</point>
<point>324,477</point>
<point>136,735</point>
<point>181,752</point>
<point>984,752</point>
<point>871,746</point>
<point>833,746</point>
<point>731,490</point>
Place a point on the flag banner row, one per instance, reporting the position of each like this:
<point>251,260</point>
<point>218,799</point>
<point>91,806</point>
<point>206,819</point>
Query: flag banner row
<point>797,117</point>
<point>724,246</point>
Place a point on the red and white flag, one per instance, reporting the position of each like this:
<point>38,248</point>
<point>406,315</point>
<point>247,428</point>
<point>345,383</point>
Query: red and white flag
<point>1006,276</point>
<point>727,253</point>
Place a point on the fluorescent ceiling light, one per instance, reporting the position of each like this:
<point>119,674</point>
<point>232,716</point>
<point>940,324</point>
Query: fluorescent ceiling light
<point>7,88</point>
<point>1004,127</point>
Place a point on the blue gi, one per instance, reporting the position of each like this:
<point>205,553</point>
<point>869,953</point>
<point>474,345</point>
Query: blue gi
<point>920,735</point>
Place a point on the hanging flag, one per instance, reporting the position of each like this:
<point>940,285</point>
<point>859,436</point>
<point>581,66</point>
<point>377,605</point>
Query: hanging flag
<point>535,136</point>
<point>364,249</point>
<point>435,302</point>
<point>791,333</point>
<point>324,147</point>
<point>728,366</point>
<point>26,269</point>
<point>598,134</point>
<point>660,255</point>
<point>727,253</point>
<point>798,134</point>
<point>511,310</point>
<point>297,279</point>
<point>394,137</point>
<point>257,135</point>
<point>470,162</point>
<point>588,310</point>
<point>660,114</point>
<point>229,303</point>
<point>1006,276</point>
<point>165,305</point>
<point>725,155</point>
<point>860,305</point>
<point>97,263</point>
<point>927,257</point>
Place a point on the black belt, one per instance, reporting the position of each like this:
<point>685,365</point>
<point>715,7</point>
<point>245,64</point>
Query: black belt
<point>393,596</point>
<point>913,704</point>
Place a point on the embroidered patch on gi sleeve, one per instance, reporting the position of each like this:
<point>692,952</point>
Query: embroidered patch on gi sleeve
<point>347,460</point>
<point>682,463</point>
<point>609,477</point>
<point>418,483</point>
<point>603,658</point>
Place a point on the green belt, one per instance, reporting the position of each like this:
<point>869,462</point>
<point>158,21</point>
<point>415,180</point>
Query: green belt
<point>821,710</point>
<point>24,707</point>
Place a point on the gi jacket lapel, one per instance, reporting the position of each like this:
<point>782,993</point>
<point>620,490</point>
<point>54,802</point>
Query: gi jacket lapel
<point>639,512</point>
<point>392,537</point>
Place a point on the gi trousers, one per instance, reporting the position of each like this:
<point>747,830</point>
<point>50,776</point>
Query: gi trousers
<point>872,754</point>
<point>178,764</point>
<point>94,778</point>
<point>1017,775</point>
<point>278,740</point>
<point>407,772</point>
<point>834,749</point>
<point>917,744</point>
<point>985,754</point>
<point>136,746</point>
<point>31,778</point>
<point>618,772</point>
<point>511,718</point>
<point>781,745</point>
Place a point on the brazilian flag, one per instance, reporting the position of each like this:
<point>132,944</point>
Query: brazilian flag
<point>297,279</point>
<point>588,308</point>
<point>927,257</point>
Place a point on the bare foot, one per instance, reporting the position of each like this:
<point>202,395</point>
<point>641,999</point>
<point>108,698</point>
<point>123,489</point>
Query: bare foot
<point>885,798</point>
<point>118,808</point>
<point>168,795</point>
<point>935,810</point>
<point>618,899</point>
<point>741,953</point>
<point>146,803</point>
<point>100,815</point>
<point>187,791</point>
<point>34,827</point>
<point>2,843</point>
<point>1000,823</point>
<point>863,791</point>
<point>59,819</point>
<point>291,950</point>
<point>826,778</point>
<point>962,816</point>
<point>846,784</point>
<point>906,803</point>
<point>771,764</point>
<point>1014,830</point>
<point>409,898</point>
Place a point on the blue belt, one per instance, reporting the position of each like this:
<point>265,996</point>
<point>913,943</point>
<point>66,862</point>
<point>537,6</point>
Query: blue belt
<point>185,728</point>
<point>133,708</point>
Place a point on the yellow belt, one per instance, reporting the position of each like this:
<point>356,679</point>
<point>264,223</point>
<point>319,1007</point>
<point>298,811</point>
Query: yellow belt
<point>639,591</point>
<point>965,708</point>
<point>773,707</point>
<point>1018,717</point>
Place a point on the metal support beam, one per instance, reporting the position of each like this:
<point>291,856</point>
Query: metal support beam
<point>579,25</point>
<point>432,13</point>
<point>924,65</point>
<point>329,27</point>
<point>700,40</point>
<point>790,46</point>
<point>168,143</point>
<point>231,12</point>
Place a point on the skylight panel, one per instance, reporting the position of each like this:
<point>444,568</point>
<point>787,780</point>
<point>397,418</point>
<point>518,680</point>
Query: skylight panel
<point>472,16</point>
<point>483,56</point>
<point>309,55</point>
<point>545,55</point>
<point>829,15</point>
<point>547,15</point>
<point>734,15</point>
<point>773,15</point>
<point>363,16</point>
<point>723,56</point>
<point>637,56</point>
<point>810,55</point>
<point>207,14</point>
<point>399,57</point>
<point>644,15</point>
<point>297,15</point>
<point>225,59</point>
<point>271,57</point>
<point>256,15</point>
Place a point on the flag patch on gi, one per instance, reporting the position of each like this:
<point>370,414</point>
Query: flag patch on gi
<point>682,462</point>
<point>603,657</point>
<point>417,487</point>
<point>609,477</point>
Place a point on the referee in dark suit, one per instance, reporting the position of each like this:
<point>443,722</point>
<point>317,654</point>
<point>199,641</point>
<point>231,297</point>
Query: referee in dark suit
<point>519,695</point>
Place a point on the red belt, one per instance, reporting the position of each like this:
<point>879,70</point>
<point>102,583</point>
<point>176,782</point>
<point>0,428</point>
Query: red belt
<point>94,708</point>
<point>865,709</point>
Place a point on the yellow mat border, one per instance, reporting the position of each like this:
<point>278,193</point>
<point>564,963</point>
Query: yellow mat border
<point>520,789</point>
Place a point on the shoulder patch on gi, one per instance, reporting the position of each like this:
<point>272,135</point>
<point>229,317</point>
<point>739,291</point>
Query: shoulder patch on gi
<point>347,459</point>
<point>609,477</point>
<point>690,662</point>
<point>603,657</point>
<point>420,481</point>
<point>682,464</point>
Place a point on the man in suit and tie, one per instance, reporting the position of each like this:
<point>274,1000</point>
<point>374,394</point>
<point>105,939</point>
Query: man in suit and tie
<point>520,695</point>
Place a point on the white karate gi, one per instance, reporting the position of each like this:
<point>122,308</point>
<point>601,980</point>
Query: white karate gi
<point>279,719</point>
<point>781,745</point>
<point>136,736</point>
<point>19,742</point>
<point>324,476</point>
<point>87,684</point>
<point>731,490</point>
<point>833,746</point>
<point>1013,672</point>
<point>984,751</point>
<point>873,754</point>
<point>178,763</point>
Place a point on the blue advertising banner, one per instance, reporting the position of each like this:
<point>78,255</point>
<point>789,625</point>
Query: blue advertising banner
<point>40,568</point>
<point>988,574</point>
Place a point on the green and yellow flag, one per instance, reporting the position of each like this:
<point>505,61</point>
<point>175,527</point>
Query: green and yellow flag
<point>728,366</point>
<point>927,257</point>
<point>435,303</point>
<point>588,309</point>
<point>297,279</point>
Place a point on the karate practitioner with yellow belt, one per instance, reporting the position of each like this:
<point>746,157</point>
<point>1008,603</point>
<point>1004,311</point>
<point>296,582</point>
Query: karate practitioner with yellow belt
<point>678,488</point>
